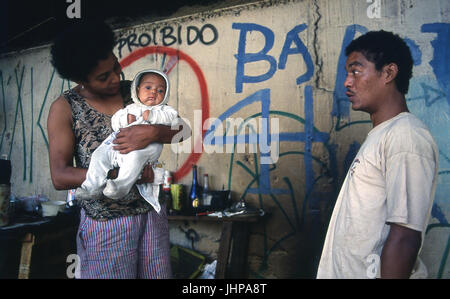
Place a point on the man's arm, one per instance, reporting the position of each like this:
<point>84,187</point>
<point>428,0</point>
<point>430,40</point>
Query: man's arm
<point>400,251</point>
<point>139,136</point>
<point>61,144</point>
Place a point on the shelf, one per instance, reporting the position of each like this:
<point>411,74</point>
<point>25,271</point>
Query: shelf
<point>237,218</point>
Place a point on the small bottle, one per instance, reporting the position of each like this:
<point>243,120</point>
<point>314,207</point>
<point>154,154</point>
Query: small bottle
<point>205,200</point>
<point>194,195</point>
<point>166,192</point>
<point>12,208</point>
<point>70,199</point>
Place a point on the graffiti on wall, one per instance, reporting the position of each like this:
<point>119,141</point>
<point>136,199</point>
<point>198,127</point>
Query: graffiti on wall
<point>20,120</point>
<point>425,93</point>
<point>169,36</point>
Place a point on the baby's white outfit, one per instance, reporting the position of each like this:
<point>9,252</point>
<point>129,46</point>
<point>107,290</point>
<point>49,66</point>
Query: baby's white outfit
<point>105,158</point>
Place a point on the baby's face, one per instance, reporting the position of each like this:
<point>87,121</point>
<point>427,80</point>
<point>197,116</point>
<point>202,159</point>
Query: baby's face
<point>151,89</point>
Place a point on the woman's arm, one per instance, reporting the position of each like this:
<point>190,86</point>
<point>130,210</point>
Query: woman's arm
<point>139,136</point>
<point>61,144</point>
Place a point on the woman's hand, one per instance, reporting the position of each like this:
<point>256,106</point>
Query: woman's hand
<point>139,136</point>
<point>112,173</point>
<point>147,175</point>
<point>135,138</point>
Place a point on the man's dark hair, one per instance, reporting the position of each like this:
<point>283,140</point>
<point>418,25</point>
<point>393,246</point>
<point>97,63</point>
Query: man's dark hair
<point>77,50</point>
<point>381,48</point>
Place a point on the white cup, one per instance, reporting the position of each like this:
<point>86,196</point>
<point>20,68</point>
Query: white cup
<point>52,207</point>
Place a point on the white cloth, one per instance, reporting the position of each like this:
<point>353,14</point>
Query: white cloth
<point>105,158</point>
<point>392,179</point>
<point>161,114</point>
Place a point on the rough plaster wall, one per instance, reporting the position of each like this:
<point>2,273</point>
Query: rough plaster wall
<point>318,133</point>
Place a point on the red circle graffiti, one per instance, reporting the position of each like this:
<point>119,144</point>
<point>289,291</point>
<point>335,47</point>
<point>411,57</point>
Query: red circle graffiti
<point>142,52</point>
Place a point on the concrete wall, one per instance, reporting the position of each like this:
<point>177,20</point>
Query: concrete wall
<point>281,60</point>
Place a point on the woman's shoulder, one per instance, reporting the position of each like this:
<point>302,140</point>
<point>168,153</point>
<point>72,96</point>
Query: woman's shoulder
<point>71,96</point>
<point>61,103</point>
<point>60,111</point>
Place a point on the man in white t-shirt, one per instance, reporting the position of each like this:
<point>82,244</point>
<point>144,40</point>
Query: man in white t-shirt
<point>379,219</point>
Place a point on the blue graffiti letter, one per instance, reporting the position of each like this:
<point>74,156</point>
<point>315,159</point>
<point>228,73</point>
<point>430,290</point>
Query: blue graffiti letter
<point>243,57</point>
<point>440,62</point>
<point>292,36</point>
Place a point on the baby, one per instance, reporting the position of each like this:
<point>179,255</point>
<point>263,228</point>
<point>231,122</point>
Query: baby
<point>149,91</point>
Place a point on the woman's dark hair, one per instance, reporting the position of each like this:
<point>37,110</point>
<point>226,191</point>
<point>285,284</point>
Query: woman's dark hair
<point>77,50</point>
<point>381,48</point>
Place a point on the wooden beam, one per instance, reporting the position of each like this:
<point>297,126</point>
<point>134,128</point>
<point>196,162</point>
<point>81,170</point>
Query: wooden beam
<point>25,258</point>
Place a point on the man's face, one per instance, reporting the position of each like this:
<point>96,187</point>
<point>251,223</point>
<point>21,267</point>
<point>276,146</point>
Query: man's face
<point>151,89</point>
<point>104,79</point>
<point>363,83</point>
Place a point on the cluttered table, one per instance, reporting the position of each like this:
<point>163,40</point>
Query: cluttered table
<point>44,242</point>
<point>50,240</point>
<point>206,205</point>
<point>234,239</point>
<point>33,237</point>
